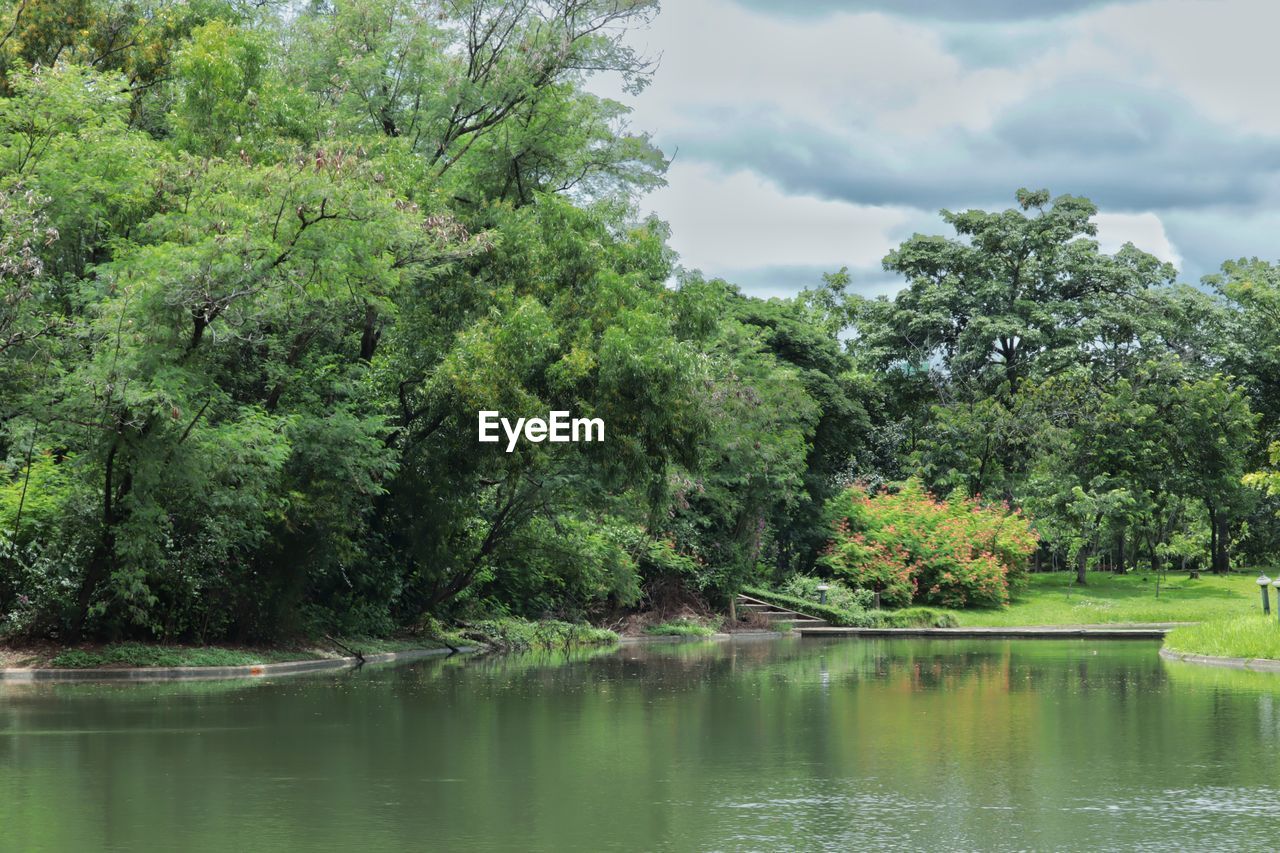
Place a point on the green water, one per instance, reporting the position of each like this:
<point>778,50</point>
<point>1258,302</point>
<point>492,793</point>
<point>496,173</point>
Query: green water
<point>753,745</point>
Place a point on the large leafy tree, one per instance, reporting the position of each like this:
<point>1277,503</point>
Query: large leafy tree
<point>1014,297</point>
<point>567,313</point>
<point>261,270</point>
<point>1141,459</point>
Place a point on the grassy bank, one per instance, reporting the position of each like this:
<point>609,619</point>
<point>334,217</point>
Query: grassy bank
<point>510,634</point>
<point>1246,636</point>
<point>1053,599</point>
<point>680,628</point>
<point>135,654</point>
<point>503,634</point>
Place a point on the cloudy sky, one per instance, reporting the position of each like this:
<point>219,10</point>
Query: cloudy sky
<point>814,134</point>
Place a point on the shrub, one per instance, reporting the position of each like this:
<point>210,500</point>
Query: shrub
<point>833,615</point>
<point>680,628</point>
<point>912,547</point>
<point>839,596</point>
<point>909,617</point>
<point>513,633</point>
<point>913,617</point>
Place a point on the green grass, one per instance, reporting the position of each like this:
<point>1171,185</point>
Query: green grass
<point>913,617</point>
<point>150,654</point>
<point>144,654</point>
<point>1247,636</point>
<point>1053,599</point>
<point>680,628</point>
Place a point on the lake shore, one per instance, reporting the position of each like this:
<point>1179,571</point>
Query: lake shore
<point>1109,606</point>
<point>185,673</point>
<point>52,656</point>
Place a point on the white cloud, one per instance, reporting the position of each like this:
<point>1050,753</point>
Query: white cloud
<point>1144,230</point>
<point>864,68</point>
<point>839,109</point>
<point>722,223</point>
<point>1219,53</point>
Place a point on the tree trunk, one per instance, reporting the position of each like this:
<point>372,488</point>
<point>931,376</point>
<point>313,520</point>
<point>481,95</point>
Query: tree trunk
<point>102,560</point>
<point>1222,545</point>
<point>1082,567</point>
<point>1213,539</point>
<point>370,334</point>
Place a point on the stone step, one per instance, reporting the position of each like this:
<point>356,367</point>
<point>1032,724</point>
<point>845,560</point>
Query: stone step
<point>777,613</point>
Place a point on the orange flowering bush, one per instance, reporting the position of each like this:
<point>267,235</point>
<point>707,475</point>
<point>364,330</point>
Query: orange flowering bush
<point>912,547</point>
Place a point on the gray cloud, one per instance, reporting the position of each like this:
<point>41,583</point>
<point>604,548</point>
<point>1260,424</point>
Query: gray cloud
<point>1158,111</point>
<point>1126,147</point>
<point>1206,238</point>
<point>985,46</point>
<point>946,10</point>
<point>785,281</point>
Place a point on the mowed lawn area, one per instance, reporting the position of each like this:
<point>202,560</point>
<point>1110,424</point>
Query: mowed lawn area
<point>1054,599</point>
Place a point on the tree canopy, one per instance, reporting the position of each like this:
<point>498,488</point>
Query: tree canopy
<point>261,268</point>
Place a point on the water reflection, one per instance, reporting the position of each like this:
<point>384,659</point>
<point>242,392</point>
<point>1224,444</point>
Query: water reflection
<point>810,744</point>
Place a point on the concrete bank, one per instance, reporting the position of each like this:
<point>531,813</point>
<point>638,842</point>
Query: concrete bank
<point>1148,631</point>
<point>176,673</point>
<point>1254,664</point>
<point>658,639</point>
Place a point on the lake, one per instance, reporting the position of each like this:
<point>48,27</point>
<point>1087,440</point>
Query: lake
<point>790,744</point>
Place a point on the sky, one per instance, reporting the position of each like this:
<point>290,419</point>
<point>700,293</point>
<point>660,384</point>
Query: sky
<point>807,135</point>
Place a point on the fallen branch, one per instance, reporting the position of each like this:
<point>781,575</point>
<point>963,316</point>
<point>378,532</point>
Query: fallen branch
<point>353,652</point>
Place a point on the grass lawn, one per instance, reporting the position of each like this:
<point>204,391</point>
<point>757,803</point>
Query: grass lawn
<point>1248,636</point>
<point>1053,599</point>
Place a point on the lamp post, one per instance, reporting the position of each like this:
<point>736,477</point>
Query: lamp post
<point>1276,583</point>
<point>822,593</point>
<point>1263,583</point>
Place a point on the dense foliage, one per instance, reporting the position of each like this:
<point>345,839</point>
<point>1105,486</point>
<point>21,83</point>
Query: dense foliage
<point>911,547</point>
<point>261,265</point>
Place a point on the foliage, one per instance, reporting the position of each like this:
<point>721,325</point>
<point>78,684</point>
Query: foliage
<point>913,617</point>
<point>907,617</point>
<point>514,634</point>
<point>262,264</point>
<point>833,615</point>
<point>910,546</point>
<point>680,628</point>
<point>838,595</point>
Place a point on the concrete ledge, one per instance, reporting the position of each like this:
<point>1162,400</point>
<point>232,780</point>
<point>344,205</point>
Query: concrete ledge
<point>720,636</point>
<point>1127,632</point>
<point>1254,664</point>
<point>176,673</point>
